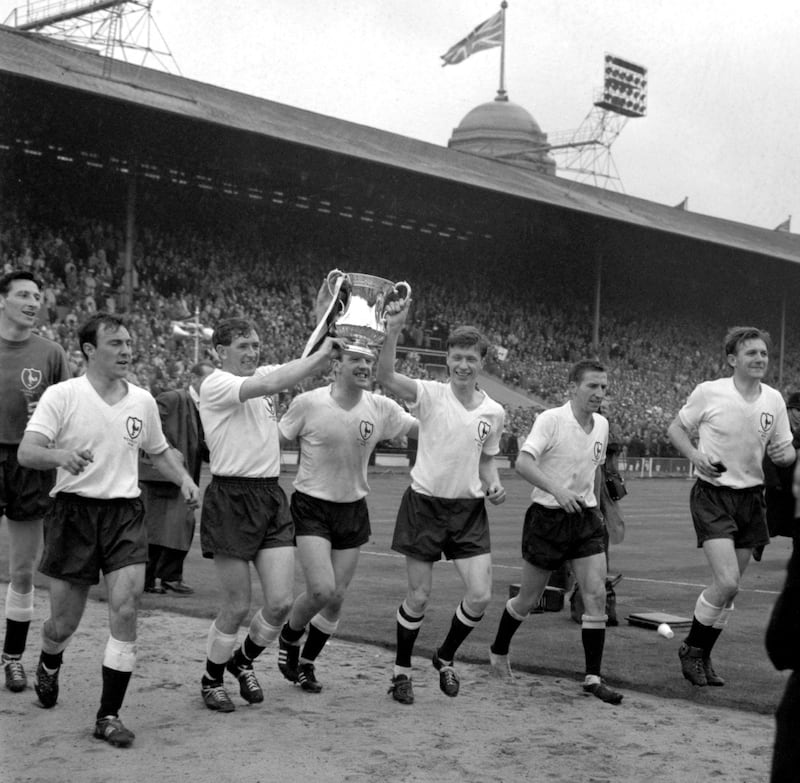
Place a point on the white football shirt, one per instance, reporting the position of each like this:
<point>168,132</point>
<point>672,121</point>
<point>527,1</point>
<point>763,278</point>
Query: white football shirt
<point>451,441</point>
<point>242,437</point>
<point>73,416</point>
<point>735,431</point>
<point>566,453</point>
<point>335,443</point>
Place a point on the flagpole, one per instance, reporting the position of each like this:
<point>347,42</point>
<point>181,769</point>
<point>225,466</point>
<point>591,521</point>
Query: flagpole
<point>196,333</point>
<point>501,93</point>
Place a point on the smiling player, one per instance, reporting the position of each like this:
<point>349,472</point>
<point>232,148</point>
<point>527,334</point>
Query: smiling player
<point>443,511</point>
<point>734,421</point>
<point>28,365</point>
<point>338,427</point>
<point>245,517</point>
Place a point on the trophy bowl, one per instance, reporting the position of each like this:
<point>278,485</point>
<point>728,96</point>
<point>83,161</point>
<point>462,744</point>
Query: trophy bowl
<point>355,311</point>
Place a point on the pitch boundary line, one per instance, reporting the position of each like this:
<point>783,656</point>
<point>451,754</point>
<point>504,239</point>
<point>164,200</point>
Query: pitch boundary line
<point>627,578</point>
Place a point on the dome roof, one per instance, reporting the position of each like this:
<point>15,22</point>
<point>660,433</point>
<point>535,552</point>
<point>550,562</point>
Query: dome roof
<point>504,130</point>
<point>499,116</point>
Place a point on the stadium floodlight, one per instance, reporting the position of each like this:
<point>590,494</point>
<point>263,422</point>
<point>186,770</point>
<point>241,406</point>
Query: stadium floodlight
<point>118,29</point>
<point>44,13</point>
<point>624,87</point>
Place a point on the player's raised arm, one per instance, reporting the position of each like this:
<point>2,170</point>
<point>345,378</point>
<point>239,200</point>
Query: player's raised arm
<point>290,373</point>
<point>398,384</point>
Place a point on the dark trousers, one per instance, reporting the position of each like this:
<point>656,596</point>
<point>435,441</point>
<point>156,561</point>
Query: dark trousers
<point>163,563</point>
<point>786,753</point>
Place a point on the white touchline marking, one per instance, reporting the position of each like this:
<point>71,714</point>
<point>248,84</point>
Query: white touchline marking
<point>627,578</point>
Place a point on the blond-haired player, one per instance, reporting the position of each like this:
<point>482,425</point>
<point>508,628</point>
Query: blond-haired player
<point>338,427</point>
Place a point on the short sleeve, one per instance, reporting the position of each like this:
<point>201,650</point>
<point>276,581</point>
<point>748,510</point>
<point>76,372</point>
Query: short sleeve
<point>541,436</point>
<point>396,421</point>
<point>46,417</point>
<point>220,390</point>
<point>292,422</point>
<point>691,414</point>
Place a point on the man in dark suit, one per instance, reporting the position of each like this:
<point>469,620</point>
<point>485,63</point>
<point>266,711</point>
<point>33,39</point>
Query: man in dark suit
<point>170,523</point>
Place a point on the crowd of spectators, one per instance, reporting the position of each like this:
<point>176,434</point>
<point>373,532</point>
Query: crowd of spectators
<point>183,274</point>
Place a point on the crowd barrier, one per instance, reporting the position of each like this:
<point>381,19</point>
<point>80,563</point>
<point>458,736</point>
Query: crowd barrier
<point>656,467</point>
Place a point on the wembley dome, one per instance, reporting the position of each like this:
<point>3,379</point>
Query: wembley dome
<point>501,129</point>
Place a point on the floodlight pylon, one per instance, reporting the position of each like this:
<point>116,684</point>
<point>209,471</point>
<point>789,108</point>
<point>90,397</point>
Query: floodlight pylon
<point>118,29</point>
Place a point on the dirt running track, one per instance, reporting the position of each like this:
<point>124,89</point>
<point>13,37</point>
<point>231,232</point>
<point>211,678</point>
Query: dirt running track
<point>540,729</point>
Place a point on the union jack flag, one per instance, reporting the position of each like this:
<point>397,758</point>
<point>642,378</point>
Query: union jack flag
<point>486,35</point>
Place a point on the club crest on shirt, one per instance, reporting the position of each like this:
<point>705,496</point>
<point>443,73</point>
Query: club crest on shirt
<point>767,419</point>
<point>30,377</point>
<point>365,429</point>
<point>484,428</point>
<point>134,427</point>
<point>270,403</point>
<point>598,450</point>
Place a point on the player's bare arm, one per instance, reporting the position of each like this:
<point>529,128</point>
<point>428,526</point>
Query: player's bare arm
<point>528,468</point>
<point>170,464</point>
<point>490,478</point>
<point>290,373</point>
<point>398,384</point>
<point>35,452</point>
<point>782,454</point>
<point>682,441</point>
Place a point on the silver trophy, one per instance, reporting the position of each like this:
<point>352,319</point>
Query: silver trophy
<point>352,306</point>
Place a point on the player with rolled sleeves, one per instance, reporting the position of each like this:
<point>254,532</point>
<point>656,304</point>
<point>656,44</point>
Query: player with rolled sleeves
<point>338,426</point>
<point>245,517</point>
<point>443,512</point>
<point>561,457</point>
<point>724,429</point>
<point>90,429</point>
<point>28,365</point>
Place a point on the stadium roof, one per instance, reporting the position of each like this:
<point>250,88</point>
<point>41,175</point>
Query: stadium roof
<point>64,67</point>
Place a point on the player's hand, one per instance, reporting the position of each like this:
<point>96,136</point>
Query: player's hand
<point>75,462</point>
<point>331,348</point>
<point>710,467</point>
<point>496,494</point>
<point>570,501</point>
<point>395,315</point>
<point>781,453</point>
<point>191,493</point>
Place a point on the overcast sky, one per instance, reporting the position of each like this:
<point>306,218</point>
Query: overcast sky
<point>723,121</point>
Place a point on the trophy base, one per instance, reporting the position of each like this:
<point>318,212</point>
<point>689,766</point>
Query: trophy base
<point>362,350</point>
<point>359,339</point>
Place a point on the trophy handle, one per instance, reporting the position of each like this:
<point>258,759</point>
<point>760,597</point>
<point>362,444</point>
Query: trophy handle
<point>333,279</point>
<point>402,284</point>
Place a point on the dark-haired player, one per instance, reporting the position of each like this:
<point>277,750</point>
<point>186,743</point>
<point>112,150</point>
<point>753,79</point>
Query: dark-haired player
<point>561,457</point>
<point>443,512</point>
<point>91,429</point>
<point>245,517</point>
<point>28,365</point>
